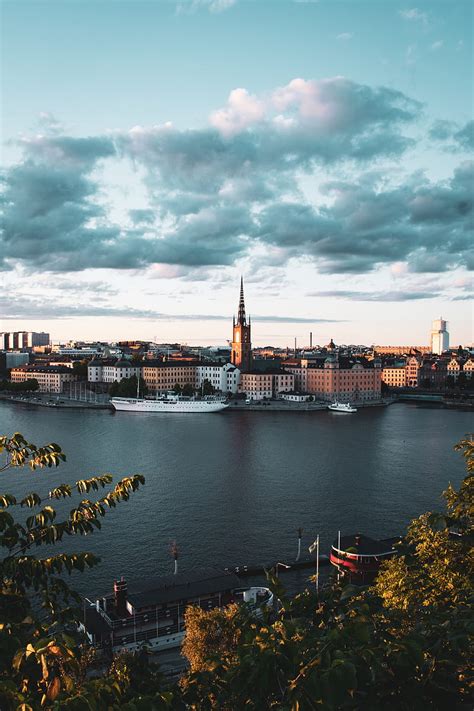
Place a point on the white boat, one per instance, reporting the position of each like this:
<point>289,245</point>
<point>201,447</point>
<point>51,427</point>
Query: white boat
<point>341,407</point>
<point>169,403</point>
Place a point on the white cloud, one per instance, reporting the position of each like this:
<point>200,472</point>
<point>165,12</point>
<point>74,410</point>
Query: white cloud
<point>214,6</point>
<point>414,15</point>
<point>220,5</point>
<point>242,110</point>
<point>345,36</point>
<point>437,45</point>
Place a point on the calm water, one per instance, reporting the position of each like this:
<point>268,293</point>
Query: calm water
<point>232,488</point>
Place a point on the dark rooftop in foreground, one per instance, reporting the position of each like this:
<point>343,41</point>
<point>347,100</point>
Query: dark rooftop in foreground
<point>184,586</point>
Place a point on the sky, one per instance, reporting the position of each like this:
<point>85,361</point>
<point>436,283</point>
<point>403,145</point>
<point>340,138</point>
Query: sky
<point>153,152</point>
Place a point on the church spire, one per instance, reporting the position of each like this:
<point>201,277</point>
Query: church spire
<point>241,318</point>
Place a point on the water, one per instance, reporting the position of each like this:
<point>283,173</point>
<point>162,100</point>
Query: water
<point>232,488</point>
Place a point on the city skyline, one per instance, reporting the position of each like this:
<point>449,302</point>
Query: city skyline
<point>155,152</point>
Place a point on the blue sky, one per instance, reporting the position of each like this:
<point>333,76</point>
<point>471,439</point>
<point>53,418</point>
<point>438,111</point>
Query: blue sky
<point>154,151</point>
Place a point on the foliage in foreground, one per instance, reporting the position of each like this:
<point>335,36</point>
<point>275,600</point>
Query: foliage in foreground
<point>401,644</point>
<point>43,663</point>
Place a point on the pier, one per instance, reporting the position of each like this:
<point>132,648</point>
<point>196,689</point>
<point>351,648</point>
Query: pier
<point>246,571</point>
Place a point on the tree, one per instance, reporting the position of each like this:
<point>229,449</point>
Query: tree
<point>435,567</point>
<point>208,388</point>
<point>43,662</point>
<point>79,367</point>
<point>177,389</point>
<point>188,390</point>
<point>212,635</point>
<point>30,385</point>
<point>127,387</point>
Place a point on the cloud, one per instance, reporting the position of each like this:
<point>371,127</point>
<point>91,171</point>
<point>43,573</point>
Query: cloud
<point>20,307</point>
<point>219,193</point>
<point>456,138</point>
<point>428,225</point>
<point>243,110</point>
<point>213,6</point>
<point>344,36</point>
<point>414,15</point>
<point>465,136</point>
<point>142,216</point>
<point>437,45</point>
<point>377,295</point>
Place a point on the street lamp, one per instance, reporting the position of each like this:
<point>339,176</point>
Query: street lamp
<point>281,565</point>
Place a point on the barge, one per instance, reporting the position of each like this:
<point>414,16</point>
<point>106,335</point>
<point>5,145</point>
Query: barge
<point>127,620</point>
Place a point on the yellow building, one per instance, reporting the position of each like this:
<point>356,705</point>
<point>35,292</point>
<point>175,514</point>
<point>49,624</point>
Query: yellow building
<point>160,377</point>
<point>395,376</point>
<point>51,379</point>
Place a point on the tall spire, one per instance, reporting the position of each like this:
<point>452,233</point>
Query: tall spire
<point>241,318</point>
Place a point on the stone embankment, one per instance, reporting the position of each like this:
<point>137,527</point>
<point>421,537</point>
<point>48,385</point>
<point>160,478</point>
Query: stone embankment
<point>284,406</point>
<point>52,400</point>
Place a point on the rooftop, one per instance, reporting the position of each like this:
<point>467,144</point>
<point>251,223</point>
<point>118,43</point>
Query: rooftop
<point>184,586</point>
<point>364,545</point>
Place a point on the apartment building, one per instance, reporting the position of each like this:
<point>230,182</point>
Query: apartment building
<point>51,379</point>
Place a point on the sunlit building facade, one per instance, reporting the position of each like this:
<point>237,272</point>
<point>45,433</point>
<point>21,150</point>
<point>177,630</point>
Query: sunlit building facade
<point>51,379</point>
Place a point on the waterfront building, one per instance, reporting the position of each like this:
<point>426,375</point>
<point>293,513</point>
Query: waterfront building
<point>161,376</point>
<point>439,339</point>
<point>433,372</point>
<point>51,379</point>
<point>224,377</point>
<point>395,376</point>
<point>338,377</point>
<point>412,368</point>
<point>111,371</point>
<point>263,385</point>
<point>468,368</point>
<point>18,340</point>
<point>296,397</point>
<point>241,354</point>
<point>401,350</point>
<point>455,367</point>
<point>12,359</point>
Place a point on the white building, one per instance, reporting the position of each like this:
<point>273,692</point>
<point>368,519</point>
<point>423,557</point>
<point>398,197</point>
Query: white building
<point>296,397</point>
<point>224,377</point>
<point>16,340</point>
<point>439,337</point>
<point>106,372</point>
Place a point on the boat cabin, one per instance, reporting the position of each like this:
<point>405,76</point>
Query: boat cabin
<point>359,557</point>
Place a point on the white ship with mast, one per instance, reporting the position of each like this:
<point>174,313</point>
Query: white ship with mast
<point>169,403</point>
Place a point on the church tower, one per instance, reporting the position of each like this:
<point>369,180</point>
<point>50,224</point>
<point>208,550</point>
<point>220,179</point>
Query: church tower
<point>241,343</point>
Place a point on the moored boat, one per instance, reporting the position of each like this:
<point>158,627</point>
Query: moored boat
<point>127,620</point>
<point>169,403</point>
<point>359,557</point>
<point>341,407</point>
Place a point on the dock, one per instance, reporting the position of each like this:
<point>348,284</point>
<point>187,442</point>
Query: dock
<point>305,562</point>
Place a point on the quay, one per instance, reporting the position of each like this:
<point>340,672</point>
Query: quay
<point>305,562</point>
<point>54,400</point>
